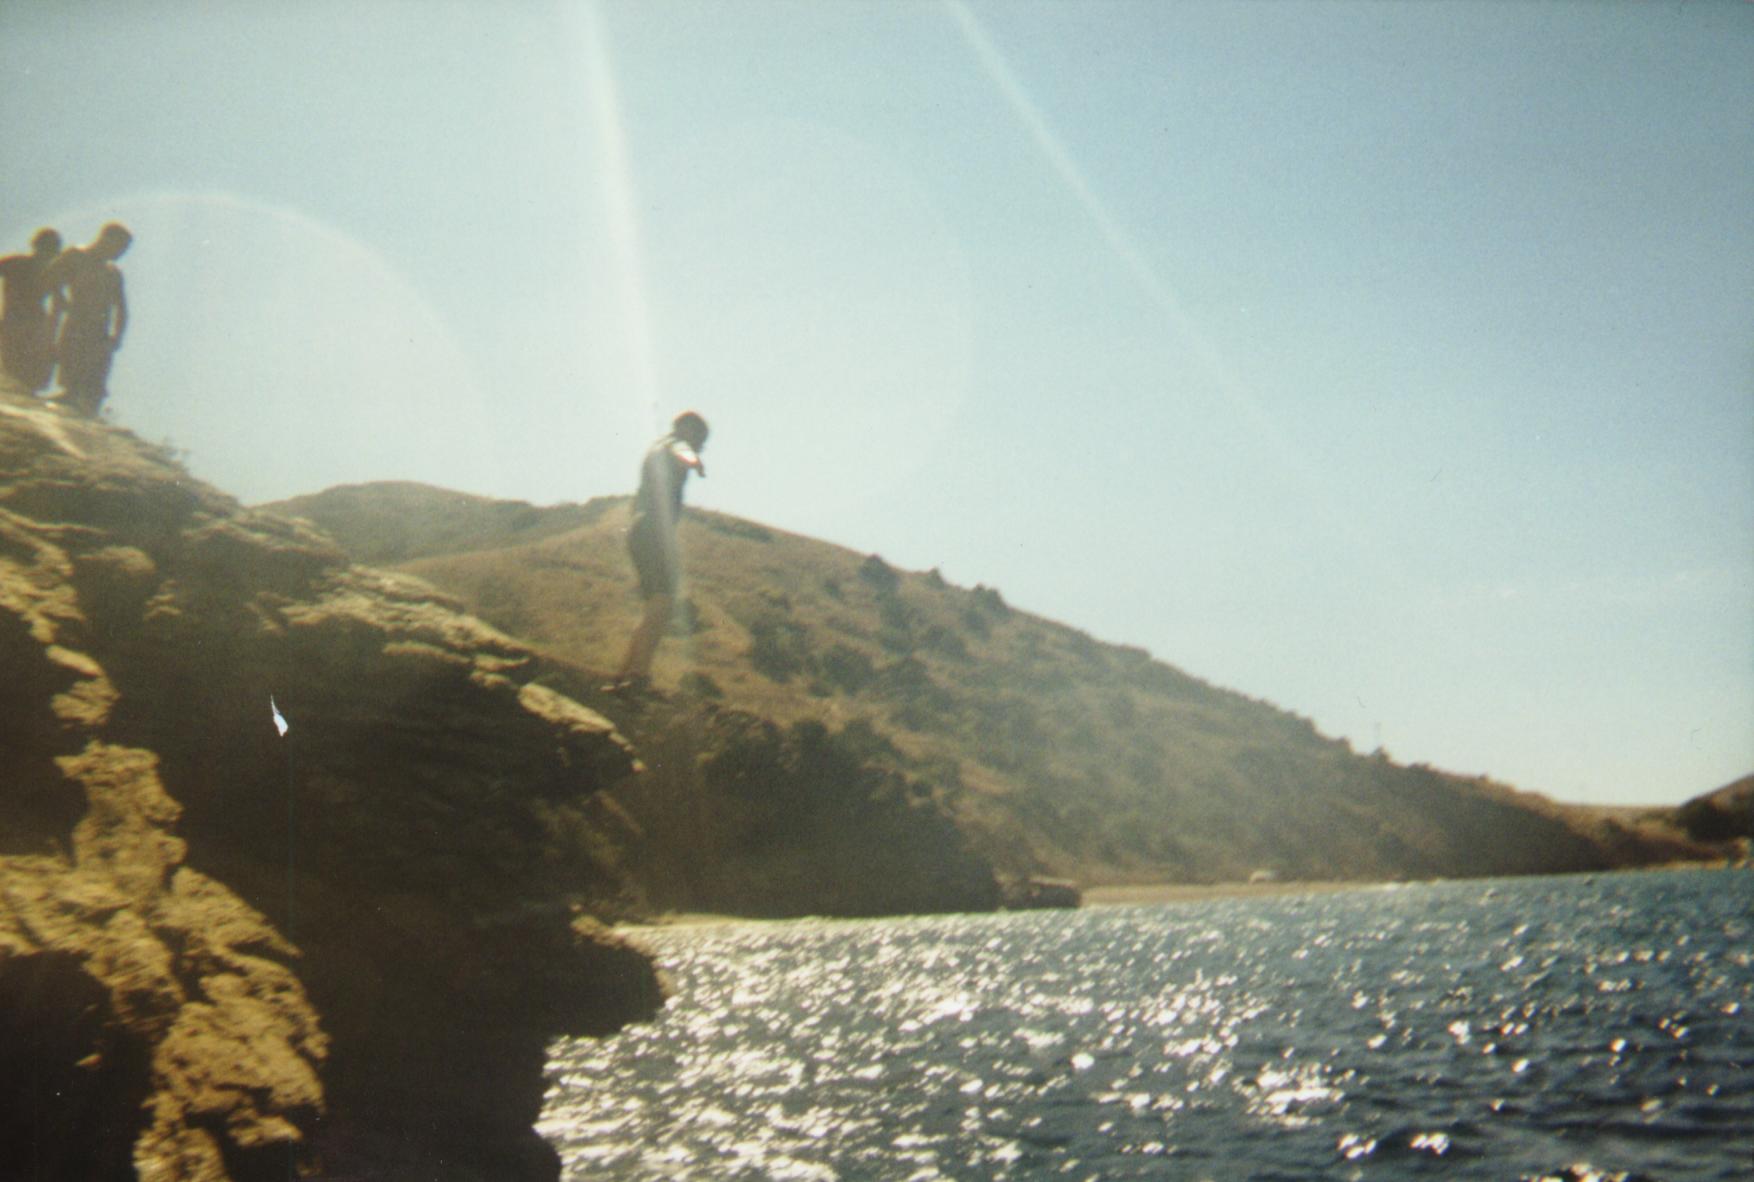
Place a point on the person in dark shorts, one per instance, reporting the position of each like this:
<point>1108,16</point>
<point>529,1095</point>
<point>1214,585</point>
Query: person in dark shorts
<point>93,315</point>
<point>27,333</point>
<point>651,541</point>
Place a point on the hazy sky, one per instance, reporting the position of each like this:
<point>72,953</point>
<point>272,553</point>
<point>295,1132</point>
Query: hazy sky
<point>1390,362</point>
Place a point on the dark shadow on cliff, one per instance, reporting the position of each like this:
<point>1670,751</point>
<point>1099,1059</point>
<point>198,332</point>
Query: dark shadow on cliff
<point>736,813</point>
<point>73,1080</point>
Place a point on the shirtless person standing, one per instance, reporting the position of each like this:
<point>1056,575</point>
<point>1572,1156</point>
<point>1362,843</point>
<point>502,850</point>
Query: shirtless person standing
<point>651,540</point>
<point>27,334</point>
<point>93,315</point>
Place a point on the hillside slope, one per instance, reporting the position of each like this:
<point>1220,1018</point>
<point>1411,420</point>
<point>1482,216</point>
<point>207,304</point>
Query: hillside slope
<point>1055,753</point>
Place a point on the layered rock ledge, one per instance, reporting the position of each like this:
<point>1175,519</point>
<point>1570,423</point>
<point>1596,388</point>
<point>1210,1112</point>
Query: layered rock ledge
<point>297,865</point>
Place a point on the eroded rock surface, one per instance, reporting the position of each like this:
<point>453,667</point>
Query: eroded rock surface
<point>233,950</point>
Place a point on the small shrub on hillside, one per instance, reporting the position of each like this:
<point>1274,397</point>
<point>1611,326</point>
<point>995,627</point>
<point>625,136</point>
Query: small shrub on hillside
<point>879,573</point>
<point>940,639</point>
<point>1086,648</point>
<point>1130,658</point>
<point>846,668</point>
<point>832,587</point>
<point>895,613</point>
<point>918,702</point>
<point>990,601</point>
<point>906,677</point>
<point>780,649</point>
<point>896,622</point>
<point>512,516</point>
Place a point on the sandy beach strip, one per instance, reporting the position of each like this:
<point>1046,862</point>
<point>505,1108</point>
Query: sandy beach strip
<point>1131,895</point>
<point>1145,894</point>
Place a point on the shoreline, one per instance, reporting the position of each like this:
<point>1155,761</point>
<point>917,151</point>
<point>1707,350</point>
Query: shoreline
<point>1152,894</point>
<point>1149,895</point>
<point>1130,895</point>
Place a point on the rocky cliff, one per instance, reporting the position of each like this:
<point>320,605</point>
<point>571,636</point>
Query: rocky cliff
<point>295,859</point>
<point>736,813</point>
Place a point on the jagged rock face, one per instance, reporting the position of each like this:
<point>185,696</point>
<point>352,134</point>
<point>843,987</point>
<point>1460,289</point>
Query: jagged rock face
<point>229,951</point>
<point>744,816</point>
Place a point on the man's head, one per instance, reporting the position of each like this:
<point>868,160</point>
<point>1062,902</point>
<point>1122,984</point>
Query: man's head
<point>691,429</point>
<point>112,241</point>
<point>46,242</point>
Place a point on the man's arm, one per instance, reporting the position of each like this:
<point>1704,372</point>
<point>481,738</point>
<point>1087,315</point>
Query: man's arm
<point>54,281</point>
<point>121,315</point>
<point>55,277</point>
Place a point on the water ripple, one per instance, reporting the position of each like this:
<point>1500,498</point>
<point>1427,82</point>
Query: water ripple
<point>1511,1030</point>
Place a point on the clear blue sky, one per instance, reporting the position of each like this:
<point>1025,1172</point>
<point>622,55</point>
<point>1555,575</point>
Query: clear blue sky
<point>1390,362</point>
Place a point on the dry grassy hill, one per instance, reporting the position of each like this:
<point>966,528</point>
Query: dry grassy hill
<point>1053,752</point>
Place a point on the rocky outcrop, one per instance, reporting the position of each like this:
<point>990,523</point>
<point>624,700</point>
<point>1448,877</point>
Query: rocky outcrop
<point>735,813</point>
<point>1042,894</point>
<point>296,863</point>
<point>1726,815</point>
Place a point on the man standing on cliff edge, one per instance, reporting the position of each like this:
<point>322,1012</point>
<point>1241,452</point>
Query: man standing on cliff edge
<point>651,540</point>
<point>93,315</point>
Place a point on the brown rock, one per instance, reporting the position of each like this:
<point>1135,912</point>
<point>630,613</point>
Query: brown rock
<point>232,953</point>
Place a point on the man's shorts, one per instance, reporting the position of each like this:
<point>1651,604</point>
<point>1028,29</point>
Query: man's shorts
<point>654,561</point>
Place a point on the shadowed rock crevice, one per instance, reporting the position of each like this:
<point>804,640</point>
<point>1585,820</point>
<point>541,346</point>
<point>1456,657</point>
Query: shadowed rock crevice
<point>73,1080</point>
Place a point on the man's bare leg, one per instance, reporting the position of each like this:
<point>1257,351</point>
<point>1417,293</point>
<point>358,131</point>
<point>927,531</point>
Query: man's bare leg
<point>642,646</point>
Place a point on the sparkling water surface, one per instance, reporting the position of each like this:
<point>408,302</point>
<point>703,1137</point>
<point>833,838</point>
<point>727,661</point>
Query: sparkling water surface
<point>1566,1028</point>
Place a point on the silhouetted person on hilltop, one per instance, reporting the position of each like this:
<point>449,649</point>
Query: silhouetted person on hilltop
<point>27,333</point>
<point>92,313</point>
<point>651,540</point>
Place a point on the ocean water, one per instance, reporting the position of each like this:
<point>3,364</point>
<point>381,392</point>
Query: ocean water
<point>1565,1028</point>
